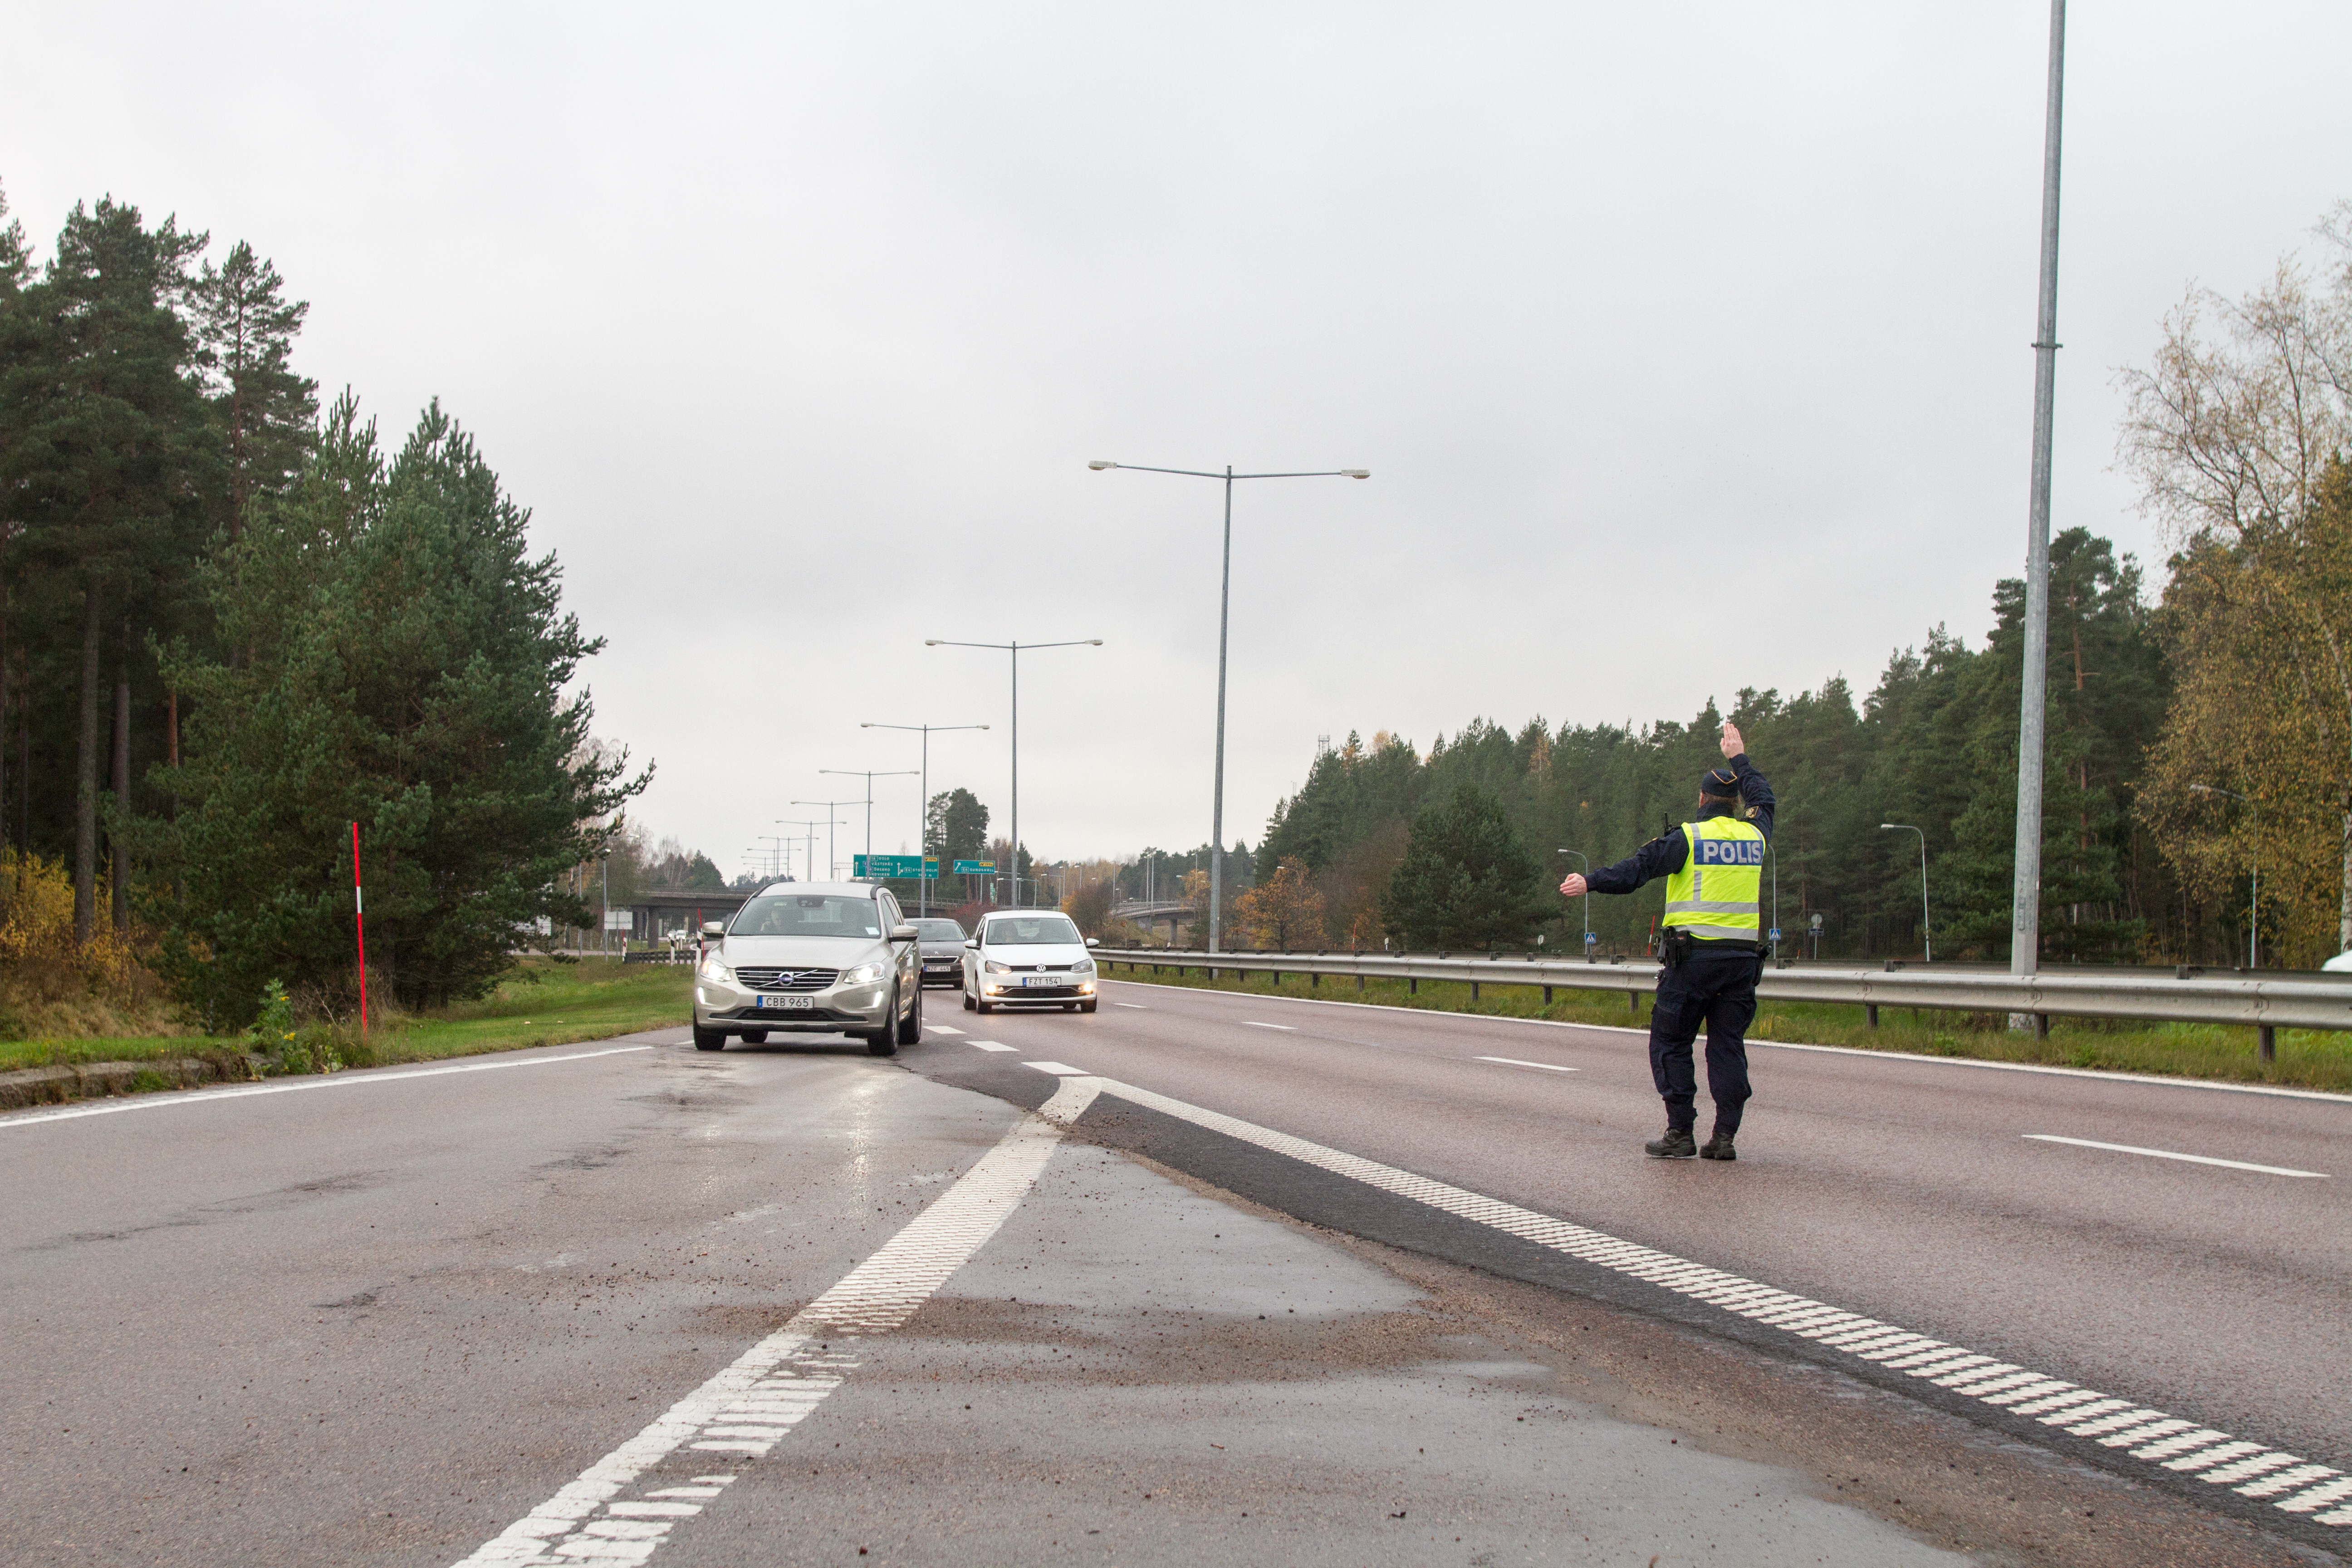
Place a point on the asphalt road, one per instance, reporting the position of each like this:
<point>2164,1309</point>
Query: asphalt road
<point>392,1318</point>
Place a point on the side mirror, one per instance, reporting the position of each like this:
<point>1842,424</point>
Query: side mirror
<point>714,928</point>
<point>904,934</point>
<point>1094,942</point>
<point>972,942</point>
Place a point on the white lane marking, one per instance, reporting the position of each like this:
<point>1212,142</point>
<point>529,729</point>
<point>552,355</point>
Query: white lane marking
<point>339,1081</point>
<point>1057,1069</point>
<point>1133,1006</point>
<point>749,1408</point>
<point>988,1046</point>
<point>1515,1062</point>
<point>2056,1403</point>
<point>943,1029</point>
<point>2170,1155</point>
<point>2104,1077</point>
<point>1253,1023</point>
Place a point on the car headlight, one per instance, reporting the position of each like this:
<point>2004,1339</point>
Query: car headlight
<point>863,974</point>
<point>1085,968</point>
<point>713,970</point>
<point>996,968</point>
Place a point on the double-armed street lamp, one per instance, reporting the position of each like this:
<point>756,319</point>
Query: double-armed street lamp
<point>1926,936</point>
<point>832,862</point>
<point>869,775</point>
<point>809,826</point>
<point>923,837</point>
<point>1224,609</point>
<point>2255,899</point>
<point>1013,854</point>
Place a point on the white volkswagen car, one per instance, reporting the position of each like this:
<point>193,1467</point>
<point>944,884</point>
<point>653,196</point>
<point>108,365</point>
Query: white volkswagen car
<point>822,958</point>
<point>1028,957</point>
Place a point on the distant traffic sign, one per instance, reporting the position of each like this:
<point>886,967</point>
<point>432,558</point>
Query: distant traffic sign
<point>910,865</point>
<point>975,868</point>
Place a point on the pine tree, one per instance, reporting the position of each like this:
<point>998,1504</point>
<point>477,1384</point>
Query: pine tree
<point>1467,880</point>
<point>266,412</point>
<point>407,671</point>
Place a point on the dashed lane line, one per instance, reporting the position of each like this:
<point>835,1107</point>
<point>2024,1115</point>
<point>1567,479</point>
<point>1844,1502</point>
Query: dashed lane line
<point>1515,1062</point>
<point>2287,1482</point>
<point>988,1046</point>
<point>339,1081</point>
<point>2103,1075</point>
<point>1253,1023</point>
<point>746,1410</point>
<point>1058,1068</point>
<point>1133,1006</point>
<point>2171,1154</point>
<point>943,1029</point>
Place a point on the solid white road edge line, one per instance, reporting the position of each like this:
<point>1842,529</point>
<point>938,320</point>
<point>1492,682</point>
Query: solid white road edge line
<point>2253,1469</point>
<point>2276,1090</point>
<point>1515,1062</point>
<point>2168,1155</point>
<point>339,1081</point>
<point>745,1410</point>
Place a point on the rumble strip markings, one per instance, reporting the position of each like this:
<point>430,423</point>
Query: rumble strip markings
<point>2287,1482</point>
<point>746,1409</point>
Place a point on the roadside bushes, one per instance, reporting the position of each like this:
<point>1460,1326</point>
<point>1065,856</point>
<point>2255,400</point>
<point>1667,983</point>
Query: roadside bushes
<point>50,984</point>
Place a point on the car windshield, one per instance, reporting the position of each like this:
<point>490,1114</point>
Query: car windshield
<point>808,915</point>
<point>940,931</point>
<point>1030,931</point>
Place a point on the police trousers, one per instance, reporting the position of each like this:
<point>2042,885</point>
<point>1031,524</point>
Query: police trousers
<point>1716,991</point>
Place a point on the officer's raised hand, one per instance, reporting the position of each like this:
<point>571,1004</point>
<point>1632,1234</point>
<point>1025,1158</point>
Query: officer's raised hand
<point>1732,744</point>
<point>1574,886</point>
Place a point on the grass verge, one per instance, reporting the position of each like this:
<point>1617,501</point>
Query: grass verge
<point>2307,1058</point>
<point>542,1002</point>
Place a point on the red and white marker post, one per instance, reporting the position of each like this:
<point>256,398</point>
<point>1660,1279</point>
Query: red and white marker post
<point>359,915</point>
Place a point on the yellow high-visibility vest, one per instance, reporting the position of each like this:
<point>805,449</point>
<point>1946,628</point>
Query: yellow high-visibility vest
<point>1715,894</point>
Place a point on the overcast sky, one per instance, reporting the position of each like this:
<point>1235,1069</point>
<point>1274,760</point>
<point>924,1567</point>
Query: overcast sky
<point>796,325</point>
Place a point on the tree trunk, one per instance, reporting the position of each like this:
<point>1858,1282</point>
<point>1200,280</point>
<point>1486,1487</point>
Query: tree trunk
<point>86,778</point>
<point>123,782</point>
<point>2344,911</point>
<point>4,716</point>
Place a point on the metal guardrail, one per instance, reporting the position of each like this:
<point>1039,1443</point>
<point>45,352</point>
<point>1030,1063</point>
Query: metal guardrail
<point>2188,996</point>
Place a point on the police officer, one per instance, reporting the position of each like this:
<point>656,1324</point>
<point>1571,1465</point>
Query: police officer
<point>1710,955</point>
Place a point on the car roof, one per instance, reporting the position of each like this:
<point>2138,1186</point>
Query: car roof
<point>831,889</point>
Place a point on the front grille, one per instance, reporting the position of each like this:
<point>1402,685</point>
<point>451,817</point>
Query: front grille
<point>765,979</point>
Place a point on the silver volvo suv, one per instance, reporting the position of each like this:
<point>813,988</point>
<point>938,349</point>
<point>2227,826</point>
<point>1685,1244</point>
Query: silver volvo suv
<point>818,957</point>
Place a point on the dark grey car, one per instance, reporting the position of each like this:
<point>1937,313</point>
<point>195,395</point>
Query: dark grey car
<point>941,942</point>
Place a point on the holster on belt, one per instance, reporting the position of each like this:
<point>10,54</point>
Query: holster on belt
<point>1675,947</point>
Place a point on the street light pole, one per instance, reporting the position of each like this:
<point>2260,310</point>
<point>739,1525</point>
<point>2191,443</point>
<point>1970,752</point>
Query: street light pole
<point>832,860</point>
<point>1587,864</point>
<point>923,834</point>
<point>811,825</point>
<point>869,775</point>
<point>1224,609</point>
<point>2025,909</point>
<point>1013,850</point>
<point>2254,902</point>
<point>1925,935</point>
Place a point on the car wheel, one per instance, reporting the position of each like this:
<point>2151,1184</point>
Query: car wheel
<point>966,1002</point>
<point>1087,1006</point>
<point>755,1037</point>
<point>983,1005</point>
<point>884,1041</point>
<point>910,1031</point>
<point>708,1039</point>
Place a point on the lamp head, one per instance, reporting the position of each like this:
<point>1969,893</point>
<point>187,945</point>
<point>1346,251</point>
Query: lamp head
<point>1355,473</point>
<point>1100,463</point>
<point>1884,825</point>
<point>931,642</point>
<point>1094,642</point>
<point>2202,789</point>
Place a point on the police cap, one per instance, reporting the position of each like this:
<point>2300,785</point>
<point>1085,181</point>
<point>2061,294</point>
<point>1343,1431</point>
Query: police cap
<point>1721,783</point>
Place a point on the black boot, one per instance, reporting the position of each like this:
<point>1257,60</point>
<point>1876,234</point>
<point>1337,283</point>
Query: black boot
<point>1718,1147</point>
<point>1677,1144</point>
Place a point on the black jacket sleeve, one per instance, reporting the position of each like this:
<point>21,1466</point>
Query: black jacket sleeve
<point>1651,860</point>
<point>1755,792</point>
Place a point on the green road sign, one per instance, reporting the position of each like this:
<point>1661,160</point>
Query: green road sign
<point>908,866</point>
<point>975,868</point>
